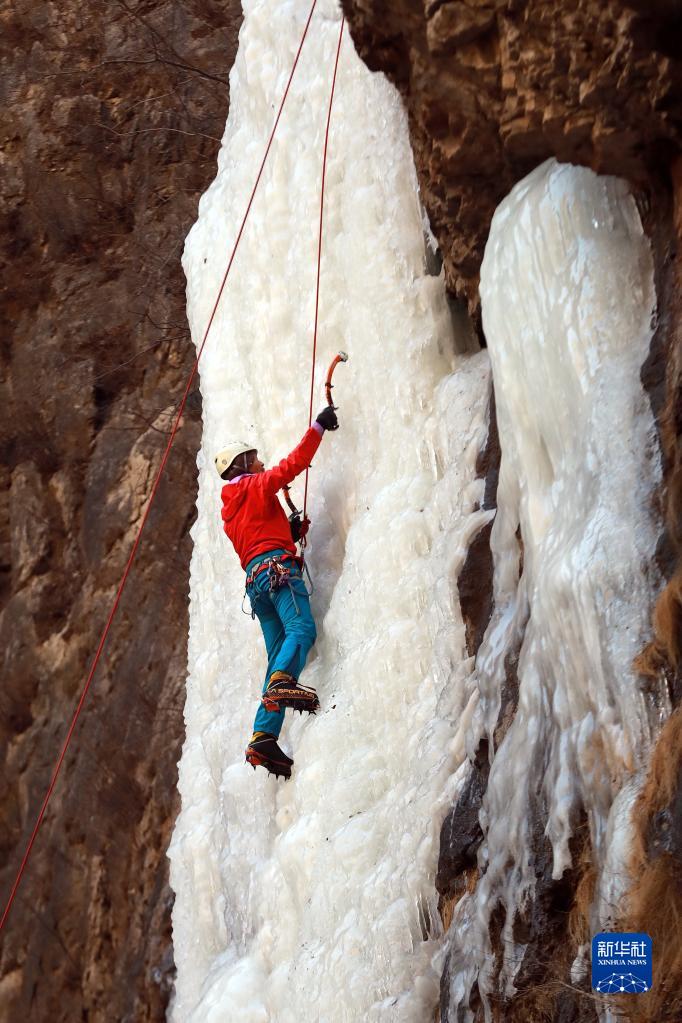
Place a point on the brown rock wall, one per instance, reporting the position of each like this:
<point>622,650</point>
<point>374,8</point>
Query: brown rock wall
<point>109,126</point>
<point>654,904</point>
<point>494,87</point>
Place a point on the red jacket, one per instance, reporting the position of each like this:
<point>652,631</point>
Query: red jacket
<point>253,518</point>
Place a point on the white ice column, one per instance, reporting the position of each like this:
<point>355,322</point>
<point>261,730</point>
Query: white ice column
<point>568,299</point>
<point>314,900</point>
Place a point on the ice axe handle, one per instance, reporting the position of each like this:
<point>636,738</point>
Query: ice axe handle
<point>287,497</point>
<point>341,357</point>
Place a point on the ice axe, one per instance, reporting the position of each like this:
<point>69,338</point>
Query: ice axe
<point>299,527</point>
<point>341,357</point>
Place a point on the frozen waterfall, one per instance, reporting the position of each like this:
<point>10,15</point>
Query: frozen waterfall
<point>568,299</point>
<point>314,900</point>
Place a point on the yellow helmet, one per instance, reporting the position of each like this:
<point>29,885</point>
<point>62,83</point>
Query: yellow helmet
<point>225,458</point>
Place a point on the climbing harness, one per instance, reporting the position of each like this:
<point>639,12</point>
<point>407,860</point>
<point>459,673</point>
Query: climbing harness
<point>162,465</point>
<point>279,575</point>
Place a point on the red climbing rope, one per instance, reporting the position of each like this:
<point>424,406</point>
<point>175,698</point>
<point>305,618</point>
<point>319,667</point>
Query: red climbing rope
<point>152,494</point>
<point>319,250</point>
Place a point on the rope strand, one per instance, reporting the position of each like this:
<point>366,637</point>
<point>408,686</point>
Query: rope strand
<point>319,250</point>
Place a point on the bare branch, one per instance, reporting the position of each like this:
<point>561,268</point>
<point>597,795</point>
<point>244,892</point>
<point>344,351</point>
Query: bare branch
<point>145,131</point>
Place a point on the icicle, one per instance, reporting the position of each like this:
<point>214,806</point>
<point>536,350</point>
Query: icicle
<point>567,298</point>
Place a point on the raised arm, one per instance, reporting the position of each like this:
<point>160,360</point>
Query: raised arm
<point>300,458</point>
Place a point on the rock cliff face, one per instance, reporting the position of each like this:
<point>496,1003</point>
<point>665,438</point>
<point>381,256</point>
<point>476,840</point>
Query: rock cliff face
<point>111,118</point>
<point>492,89</point>
<point>495,87</point>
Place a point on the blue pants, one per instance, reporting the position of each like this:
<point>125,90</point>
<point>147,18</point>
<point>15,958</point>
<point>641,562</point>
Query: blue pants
<point>288,629</point>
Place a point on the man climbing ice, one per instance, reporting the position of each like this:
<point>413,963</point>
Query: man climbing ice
<point>263,538</point>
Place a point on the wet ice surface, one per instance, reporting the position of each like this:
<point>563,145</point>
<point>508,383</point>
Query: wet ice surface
<point>314,899</point>
<point>567,297</point>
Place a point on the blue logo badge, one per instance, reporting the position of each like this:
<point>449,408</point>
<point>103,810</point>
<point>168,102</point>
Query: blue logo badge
<point>621,963</point>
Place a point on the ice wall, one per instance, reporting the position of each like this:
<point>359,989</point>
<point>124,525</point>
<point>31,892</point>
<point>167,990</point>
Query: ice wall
<point>568,298</point>
<point>314,899</point>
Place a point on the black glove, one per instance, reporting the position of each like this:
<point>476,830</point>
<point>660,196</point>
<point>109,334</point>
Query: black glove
<point>298,527</point>
<point>327,418</point>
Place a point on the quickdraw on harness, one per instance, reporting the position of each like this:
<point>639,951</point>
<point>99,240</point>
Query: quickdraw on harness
<point>279,575</point>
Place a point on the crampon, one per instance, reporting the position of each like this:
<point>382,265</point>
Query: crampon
<point>263,751</point>
<point>284,691</point>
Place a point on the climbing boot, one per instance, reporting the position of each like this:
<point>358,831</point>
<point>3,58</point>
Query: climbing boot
<point>284,691</point>
<point>263,750</point>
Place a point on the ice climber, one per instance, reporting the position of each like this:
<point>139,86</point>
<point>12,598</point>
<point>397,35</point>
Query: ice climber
<point>264,539</point>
